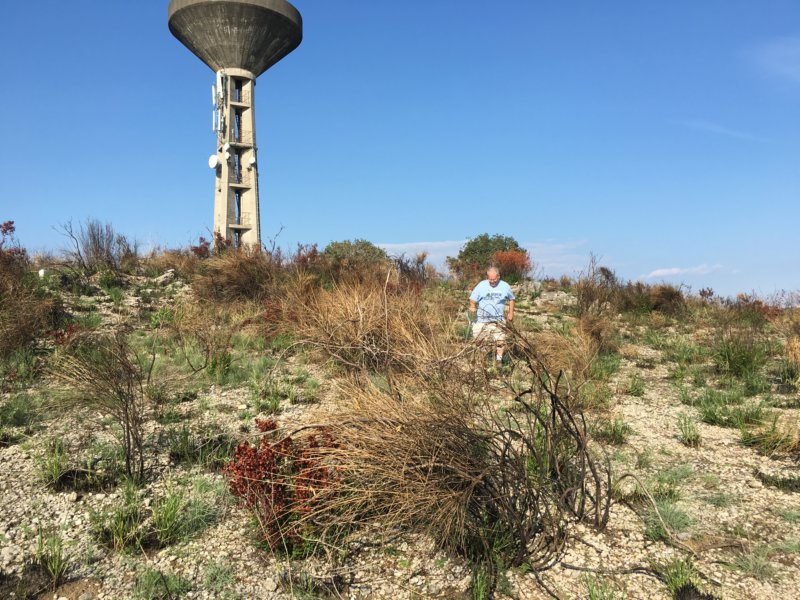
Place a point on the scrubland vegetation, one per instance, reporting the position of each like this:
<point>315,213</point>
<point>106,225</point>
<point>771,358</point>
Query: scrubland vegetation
<point>323,422</point>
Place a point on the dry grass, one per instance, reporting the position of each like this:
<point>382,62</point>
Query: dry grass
<point>573,354</point>
<point>237,275</point>
<point>368,326</point>
<point>183,262</point>
<point>793,352</point>
<point>601,329</point>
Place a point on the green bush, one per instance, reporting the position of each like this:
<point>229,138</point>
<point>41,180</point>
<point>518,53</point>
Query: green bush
<point>358,259</point>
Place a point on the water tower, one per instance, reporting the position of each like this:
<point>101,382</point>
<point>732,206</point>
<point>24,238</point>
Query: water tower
<point>239,40</point>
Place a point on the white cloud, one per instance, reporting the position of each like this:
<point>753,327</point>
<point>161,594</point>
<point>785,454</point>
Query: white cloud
<point>551,258</point>
<point>718,129</point>
<point>778,58</point>
<point>675,271</point>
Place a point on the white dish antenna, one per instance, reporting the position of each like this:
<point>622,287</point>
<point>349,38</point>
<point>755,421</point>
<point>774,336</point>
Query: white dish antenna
<point>252,161</point>
<point>213,161</point>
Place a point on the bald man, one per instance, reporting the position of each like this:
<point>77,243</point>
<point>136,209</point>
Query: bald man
<point>487,303</point>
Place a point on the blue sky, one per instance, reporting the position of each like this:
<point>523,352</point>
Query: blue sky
<point>664,137</point>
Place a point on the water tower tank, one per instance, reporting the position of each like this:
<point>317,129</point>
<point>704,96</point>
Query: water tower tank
<point>239,40</point>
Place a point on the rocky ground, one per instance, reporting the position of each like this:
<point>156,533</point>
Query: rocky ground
<point>743,536</point>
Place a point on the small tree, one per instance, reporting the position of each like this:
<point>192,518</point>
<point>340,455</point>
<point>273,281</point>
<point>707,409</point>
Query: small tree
<point>480,252</point>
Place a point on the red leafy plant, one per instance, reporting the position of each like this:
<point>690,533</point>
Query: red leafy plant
<point>281,482</point>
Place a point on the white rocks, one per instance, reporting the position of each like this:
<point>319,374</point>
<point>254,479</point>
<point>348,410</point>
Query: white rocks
<point>166,278</point>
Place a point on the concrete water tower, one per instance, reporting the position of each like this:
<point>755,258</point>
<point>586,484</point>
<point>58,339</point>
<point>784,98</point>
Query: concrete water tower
<point>239,40</point>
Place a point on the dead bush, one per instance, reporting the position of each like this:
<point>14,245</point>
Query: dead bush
<point>596,289</point>
<point>106,377</point>
<point>96,246</point>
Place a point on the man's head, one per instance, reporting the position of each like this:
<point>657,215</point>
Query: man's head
<point>493,275</point>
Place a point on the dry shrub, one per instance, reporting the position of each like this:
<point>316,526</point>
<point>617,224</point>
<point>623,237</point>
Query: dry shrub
<point>667,299</point>
<point>485,484</point>
<point>599,290</point>
<point>366,326</point>
<point>788,324</point>
<point>105,376</point>
<point>96,246</point>
<point>601,329</point>
<point>596,289</point>
<point>237,274</point>
<point>793,352</point>
<point>26,311</point>
<point>204,331</point>
<point>781,437</point>
<point>25,315</point>
<point>158,261</point>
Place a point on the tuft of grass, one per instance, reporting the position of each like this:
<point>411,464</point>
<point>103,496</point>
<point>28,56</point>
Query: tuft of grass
<point>615,432</point>
<point>601,589</point>
<point>677,573</point>
<point>721,499</point>
<point>635,385</point>
<point>727,409</point>
<point>595,395</point>
<point>790,515</point>
<point>778,438</point>
<point>675,475</point>
<point>155,585</point>
<point>178,515</point>
<point>122,527</point>
<point>739,352</point>
<point>21,410</point>
<point>53,464</point>
<point>689,434</point>
<point>755,563</point>
<point>605,366</point>
<point>51,556</point>
<point>673,517</point>
<point>683,352</point>
<point>219,579</point>
<point>644,459</point>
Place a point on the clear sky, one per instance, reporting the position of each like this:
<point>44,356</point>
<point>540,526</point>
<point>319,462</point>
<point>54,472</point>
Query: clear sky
<point>664,137</point>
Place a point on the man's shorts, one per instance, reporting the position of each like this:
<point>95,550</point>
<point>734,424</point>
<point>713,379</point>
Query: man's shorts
<point>489,332</point>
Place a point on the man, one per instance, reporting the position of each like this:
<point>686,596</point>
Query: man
<point>487,303</point>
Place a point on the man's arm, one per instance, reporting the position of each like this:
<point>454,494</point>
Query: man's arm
<point>510,316</point>
<point>473,307</point>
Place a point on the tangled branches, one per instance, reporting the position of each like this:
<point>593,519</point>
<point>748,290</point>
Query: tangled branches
<point>486,480</point>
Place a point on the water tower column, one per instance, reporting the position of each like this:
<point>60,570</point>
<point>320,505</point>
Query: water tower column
<point>236,211</point>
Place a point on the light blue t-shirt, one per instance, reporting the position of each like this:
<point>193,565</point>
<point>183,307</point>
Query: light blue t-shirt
<point>491,300</point>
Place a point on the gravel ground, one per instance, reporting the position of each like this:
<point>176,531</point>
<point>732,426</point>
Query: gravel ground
<point>394,565</point>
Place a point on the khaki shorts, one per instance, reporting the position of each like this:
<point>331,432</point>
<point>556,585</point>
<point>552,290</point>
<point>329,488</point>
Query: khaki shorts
<point>489,332</point>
